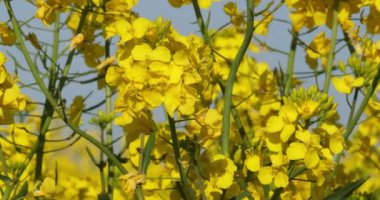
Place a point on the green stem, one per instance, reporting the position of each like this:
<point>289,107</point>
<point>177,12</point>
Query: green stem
<point>354,101</point>
<point>102,165</point>
<point>330,59</point>
<point>185,185</point>
<point>48,112</point>
<point>238,122</point>
<point>232,76</point>
<point>290,67</point>
<point>49,96</point>
<point>201,22</point>
<point>109,134</point>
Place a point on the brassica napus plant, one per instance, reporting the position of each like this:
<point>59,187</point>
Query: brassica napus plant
<point>115,105</point>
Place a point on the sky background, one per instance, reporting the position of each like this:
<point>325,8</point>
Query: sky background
<point>183,19</point>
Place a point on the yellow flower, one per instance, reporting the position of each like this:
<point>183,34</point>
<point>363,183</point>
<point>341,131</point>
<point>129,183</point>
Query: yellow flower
<point>130,181</point>
<point>285,123</point>
<point>318,48</point>
<point>275,173</point>
<point>253,161</point>
<point>221,171</point>
<point>210,121</point>
<point>308,109</point>
<point>335,135</point>
<point>346,83</point>
<point>180,97</point>
<point>11,99</point>
<point>47,188</point>
<point>296,151</point>
<point>46,11</point>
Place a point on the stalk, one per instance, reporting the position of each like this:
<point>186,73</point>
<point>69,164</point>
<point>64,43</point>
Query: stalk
<point>232,76</point>
<point>109,134</point>
<point>290,67</point>
<point>331,56</point>
<point>48,112</point>
<point>189,194</point>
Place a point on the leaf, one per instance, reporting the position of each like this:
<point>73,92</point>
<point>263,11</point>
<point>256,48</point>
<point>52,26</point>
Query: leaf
<point>147,152</point>
<point>6,179</point>
<point>22,192</point>
<point>345,191</point>
<point>103,196</point>
<point>91,156</point>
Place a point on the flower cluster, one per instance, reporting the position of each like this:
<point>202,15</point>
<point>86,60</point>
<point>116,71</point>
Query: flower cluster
<point>284,141</point>
<point>11,98</point>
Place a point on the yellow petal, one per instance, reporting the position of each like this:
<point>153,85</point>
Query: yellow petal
<point>281,180</point>
<point>253,163</point>
<point>161,53</point>
<point>124,119</point>
<point>141,52</point>
<point>274,124</point>
<point>288,113</point>
<point>287,132</point>
<point>265,175</point>
<point>296,151</point>
<point>181,57</point>
<point>11,94</point>
<point>153,97</point>
<point>48,185</point>
<point>176,73</point>
<point>303,135</point>
<point>3,59</point>
<point>312,159</point>
<point>336,144</point>
<point>113,76</point>
<point>225,181</point>
<point>140,26</point>
<point>204,3</point>
<point>213,117</point>
<point>341,85</point>
<point>274,143</point>
<point>358,82</point>
<point>172,99</point>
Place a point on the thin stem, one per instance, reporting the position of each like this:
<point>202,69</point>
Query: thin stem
<point>48,112</point>
<point>290,67</point>
<point>109,134</point>
<point>201,22</point>
<point>330,59</point>
<point>352,110</point>
<point>175,144</point>
<point>232,76</point>
<point>102,165</point>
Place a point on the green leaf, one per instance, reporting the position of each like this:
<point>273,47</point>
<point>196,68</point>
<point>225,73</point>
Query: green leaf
<point>6,179</point>
<point>147,151</point>
<point>103,196</point>
<point>346,190</point>
<point>22,192</point>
